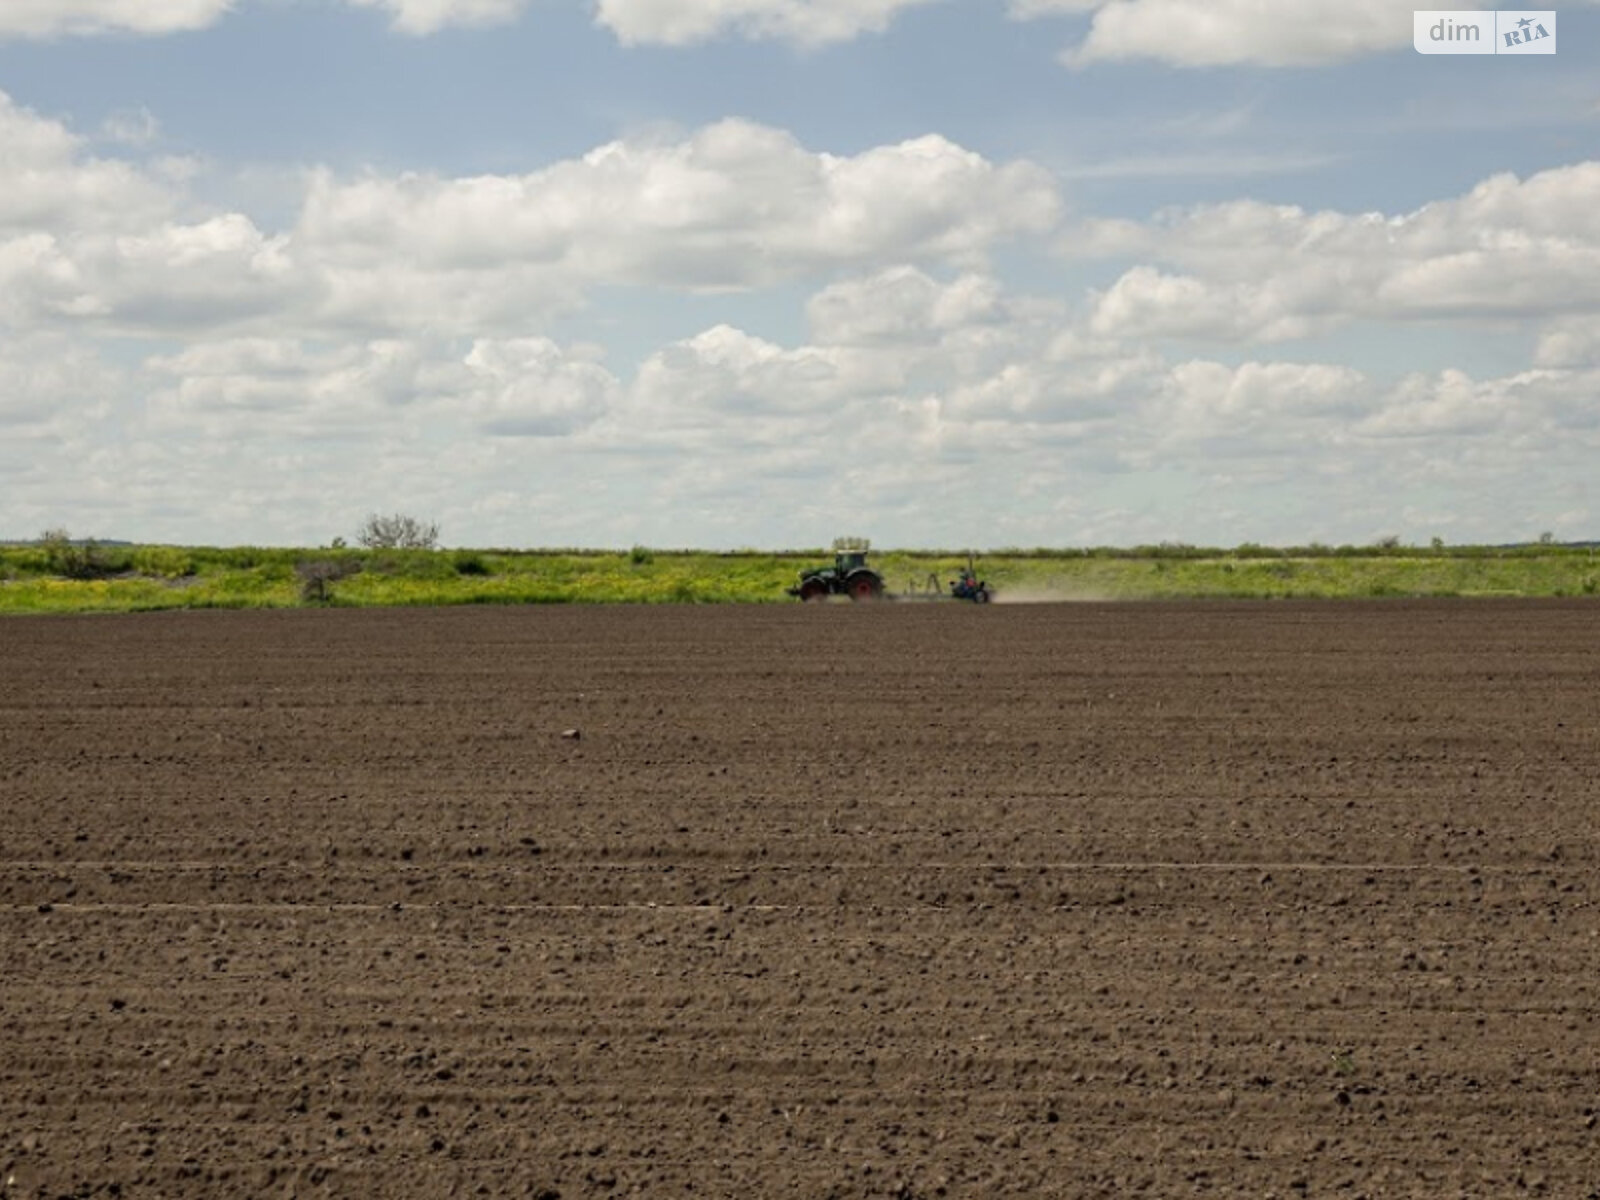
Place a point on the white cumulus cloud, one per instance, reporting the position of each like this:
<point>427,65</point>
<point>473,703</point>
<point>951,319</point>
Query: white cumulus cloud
<point>1279,33</point>
<point>421,17</point>
<point>1570,342</point>
<point>806,22</point>
<point>1203,398</point>
<point>725,371</point>
<point>1211,33</point>
<point>52,18</point>
<point>531,386</point>
<point>49,184</point>
<point>177,278</point>
<point>898,304</point>
<point>1509,248</point>
<point>732,206</point>
<point>1526,411</point>
<point>274,387</point>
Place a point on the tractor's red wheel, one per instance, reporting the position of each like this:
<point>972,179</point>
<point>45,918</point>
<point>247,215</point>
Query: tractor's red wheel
<point>865,586</point>
<point>813,590</point>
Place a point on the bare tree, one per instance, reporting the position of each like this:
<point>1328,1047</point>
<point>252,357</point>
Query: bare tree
<point>398,532</point>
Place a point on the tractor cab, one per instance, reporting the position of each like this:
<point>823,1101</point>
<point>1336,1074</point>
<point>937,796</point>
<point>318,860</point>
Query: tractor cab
<point>850,554</point>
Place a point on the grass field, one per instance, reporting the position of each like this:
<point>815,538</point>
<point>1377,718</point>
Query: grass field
<point>121,578</point>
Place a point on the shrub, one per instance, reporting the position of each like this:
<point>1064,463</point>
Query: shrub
<point>318,577</point>
<point>640,556</point>
<point>469,563</point>
<point>165,562</point>
<point>73,559</point>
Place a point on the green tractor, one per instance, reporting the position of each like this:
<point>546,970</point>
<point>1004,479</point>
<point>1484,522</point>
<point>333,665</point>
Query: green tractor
<point>849,575</point>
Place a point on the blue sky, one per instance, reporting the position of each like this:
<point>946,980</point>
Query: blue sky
<point>759,272</point>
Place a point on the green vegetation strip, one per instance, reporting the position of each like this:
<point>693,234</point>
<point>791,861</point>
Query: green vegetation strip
<point>88,578</point>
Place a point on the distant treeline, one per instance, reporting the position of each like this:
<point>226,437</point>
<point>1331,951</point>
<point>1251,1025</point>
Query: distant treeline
<point>122,555</point>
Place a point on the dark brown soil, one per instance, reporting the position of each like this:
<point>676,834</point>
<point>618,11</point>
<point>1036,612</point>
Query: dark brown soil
<point>1063,900</point>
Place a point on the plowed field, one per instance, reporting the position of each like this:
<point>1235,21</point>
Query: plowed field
<point>908,901</point>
